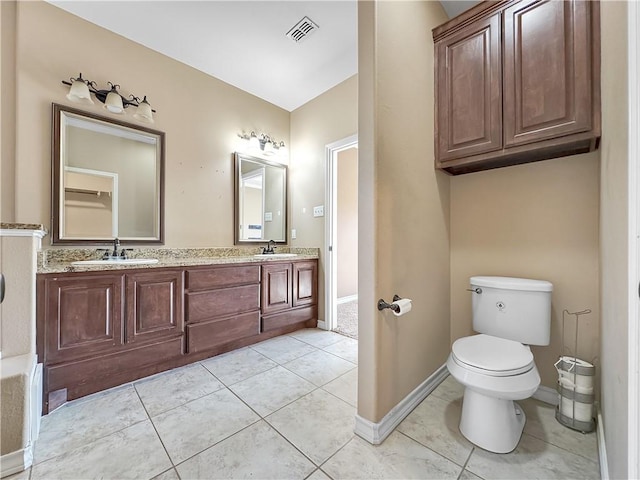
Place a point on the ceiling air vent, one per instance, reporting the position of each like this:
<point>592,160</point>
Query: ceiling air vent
<point>302,30</point>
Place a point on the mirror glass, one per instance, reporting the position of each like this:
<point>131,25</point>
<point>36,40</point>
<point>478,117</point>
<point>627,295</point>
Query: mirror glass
<point>260,200</point>
<point>107,180</point>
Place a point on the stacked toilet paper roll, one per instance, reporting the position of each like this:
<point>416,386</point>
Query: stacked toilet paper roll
<point>404,306</point>
<point>576,402</point>
<point>575,380</point>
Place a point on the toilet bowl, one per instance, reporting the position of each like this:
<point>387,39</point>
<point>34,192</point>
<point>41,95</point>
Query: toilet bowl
<point>494,372</point>
<point>496,366</point>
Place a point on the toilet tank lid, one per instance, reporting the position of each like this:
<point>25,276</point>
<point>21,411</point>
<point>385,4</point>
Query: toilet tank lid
<point>511,283</point>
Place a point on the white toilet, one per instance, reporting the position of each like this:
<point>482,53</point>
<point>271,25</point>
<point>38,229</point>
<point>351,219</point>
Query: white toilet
<point>496,367</point>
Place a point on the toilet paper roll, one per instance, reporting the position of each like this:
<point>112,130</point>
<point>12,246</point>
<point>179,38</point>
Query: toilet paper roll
<point>576,410</point>
<point>404,305</point>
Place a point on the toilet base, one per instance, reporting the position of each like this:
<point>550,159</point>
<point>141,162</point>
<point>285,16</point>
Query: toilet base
<point>491,423</point>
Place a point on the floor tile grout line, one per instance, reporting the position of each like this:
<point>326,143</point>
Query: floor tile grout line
<point>154,428</point>
<point>215,443</point>
<point>427,447</point>
<point>228,385</point>
<point>561,448</point>
<point>292,444</point>
<point>95,439</point>
<point>473,449</point>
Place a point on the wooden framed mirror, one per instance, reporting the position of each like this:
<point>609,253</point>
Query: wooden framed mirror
<point>260,208</point>
<point>107,180</point>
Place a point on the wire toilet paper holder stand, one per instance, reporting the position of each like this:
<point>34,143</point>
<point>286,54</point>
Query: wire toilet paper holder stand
<point>572,370</point>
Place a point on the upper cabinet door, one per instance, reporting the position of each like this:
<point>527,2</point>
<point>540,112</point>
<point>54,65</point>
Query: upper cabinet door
<point>547,70</point>
<point>468,91</point>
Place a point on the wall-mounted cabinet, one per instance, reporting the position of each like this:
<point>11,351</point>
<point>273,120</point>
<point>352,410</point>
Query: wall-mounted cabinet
<point>517,82</point>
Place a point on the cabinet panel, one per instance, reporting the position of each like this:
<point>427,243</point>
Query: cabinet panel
<point>305,284</point>
<point>276,288</point>
<point>547,72</point>
<point>225,301</point>
<point>222,277</point>
<point>469,102</point>
<point>83,316</point>
<point>289,317</point>
<point>154,305</point>
<point>206,335</point>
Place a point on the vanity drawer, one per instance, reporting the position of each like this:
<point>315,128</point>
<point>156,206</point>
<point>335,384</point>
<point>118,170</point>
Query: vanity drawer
<point>223,302</point>
<point>206,335</point>
<point>209,278</point>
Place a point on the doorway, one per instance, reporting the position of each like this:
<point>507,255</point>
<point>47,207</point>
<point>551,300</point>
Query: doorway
<point>341,232</point>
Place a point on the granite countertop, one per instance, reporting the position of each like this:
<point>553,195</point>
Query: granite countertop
<point>60,260</point>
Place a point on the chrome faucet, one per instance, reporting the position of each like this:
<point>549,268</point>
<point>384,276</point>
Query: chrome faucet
<point>269,248</point>
<point>116,245</point>
<point>115,254</point>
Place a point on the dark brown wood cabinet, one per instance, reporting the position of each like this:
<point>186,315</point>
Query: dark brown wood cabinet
<point>517,82</point>
<point>85,315</point>
<point>96,330</point>
<point>469,99</point>
<point>289,294</point>
<point>223,306</point>
<point>154,305</point>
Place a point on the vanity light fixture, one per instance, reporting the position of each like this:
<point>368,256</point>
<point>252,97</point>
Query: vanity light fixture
<point>81,90</point>
<point>262,144</point>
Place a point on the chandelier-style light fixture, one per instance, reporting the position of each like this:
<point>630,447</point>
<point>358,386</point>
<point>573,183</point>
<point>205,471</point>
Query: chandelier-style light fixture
<point>114,102</point>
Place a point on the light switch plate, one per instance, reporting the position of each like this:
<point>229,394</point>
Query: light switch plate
<point>318,211</point>
<point>293,234</point>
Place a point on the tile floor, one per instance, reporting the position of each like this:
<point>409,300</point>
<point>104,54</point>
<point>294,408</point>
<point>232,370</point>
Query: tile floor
<point>282,409</point>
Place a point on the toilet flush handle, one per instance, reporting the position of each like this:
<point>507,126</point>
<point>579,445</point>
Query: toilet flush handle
<point>477,290</point>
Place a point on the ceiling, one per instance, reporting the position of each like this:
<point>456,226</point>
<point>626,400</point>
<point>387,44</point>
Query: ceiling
<point>244,43</point>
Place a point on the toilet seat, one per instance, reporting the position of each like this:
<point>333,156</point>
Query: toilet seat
<point>492,356</point>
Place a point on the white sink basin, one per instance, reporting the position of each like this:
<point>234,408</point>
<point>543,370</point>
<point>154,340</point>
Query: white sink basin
<point>128,261</point>
<point>276,255</point>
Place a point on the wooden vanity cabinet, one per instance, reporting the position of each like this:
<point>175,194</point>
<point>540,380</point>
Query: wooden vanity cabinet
<point>100,329</point>
<point>289,294</point>
<point>97,330</point>
<point>222,305</point>
<point>517,82</point>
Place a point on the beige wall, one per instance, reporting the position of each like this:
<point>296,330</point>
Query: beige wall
<point>347,223</point>
<point>7,109</point>
<point>614,235</point>
<point>539,221</point>
<point>396,181</point>
<point>200,115</point>
<point>327,118</point>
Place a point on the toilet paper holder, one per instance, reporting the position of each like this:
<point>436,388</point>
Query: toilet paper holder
<point>382,304</point>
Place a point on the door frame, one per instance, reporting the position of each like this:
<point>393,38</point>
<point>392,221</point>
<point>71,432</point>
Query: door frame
<point>330,228</point>
<point>633,446</point>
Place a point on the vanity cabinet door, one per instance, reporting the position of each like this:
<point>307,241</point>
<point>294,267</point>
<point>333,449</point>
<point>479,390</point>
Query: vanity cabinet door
<point>83,316</point>
<point>154,305</point>
<point>276,288</point>
<point>469,91</point>
<point>547,70</point>
<point>305,283</point>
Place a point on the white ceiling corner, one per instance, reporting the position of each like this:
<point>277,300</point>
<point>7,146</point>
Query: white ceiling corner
<point>244,42</point>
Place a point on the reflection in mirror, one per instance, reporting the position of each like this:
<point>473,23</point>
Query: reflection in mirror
<point>260,200</point>
<point>107,180</point>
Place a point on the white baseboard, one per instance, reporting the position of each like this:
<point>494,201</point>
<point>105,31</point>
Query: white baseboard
<point>16,462</point>
<point>347,299</point>
<point>322,324</point>
<point>546,395</point>
<point>376,433</point>
<point>602,448</point>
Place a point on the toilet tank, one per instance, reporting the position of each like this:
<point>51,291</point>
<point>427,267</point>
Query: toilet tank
<point>518,309</point>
